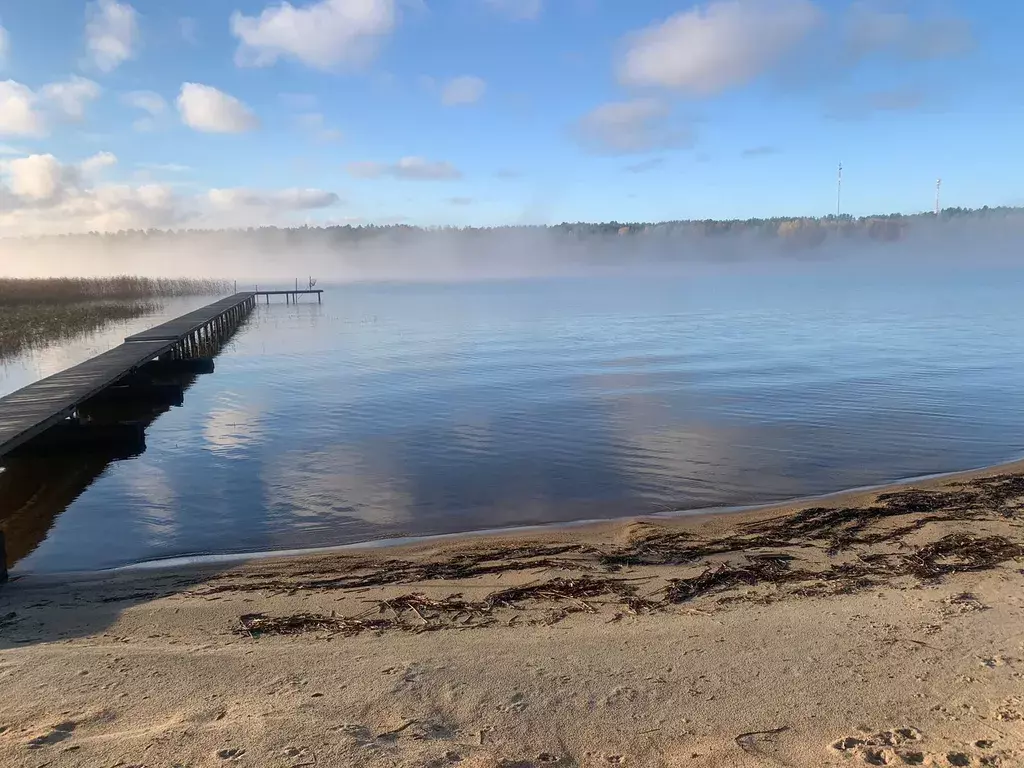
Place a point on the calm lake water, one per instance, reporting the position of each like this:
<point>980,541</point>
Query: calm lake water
<point>395,410</point>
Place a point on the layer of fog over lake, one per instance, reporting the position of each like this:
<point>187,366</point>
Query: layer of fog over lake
<point>405,254</point>
<point>596,379</point>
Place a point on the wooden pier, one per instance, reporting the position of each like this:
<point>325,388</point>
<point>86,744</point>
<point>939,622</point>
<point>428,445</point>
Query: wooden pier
<point>291,296</point>
<point>32,410</point>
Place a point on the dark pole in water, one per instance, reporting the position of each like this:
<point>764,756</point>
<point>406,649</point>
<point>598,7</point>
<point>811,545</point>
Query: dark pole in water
<point>3,557</point>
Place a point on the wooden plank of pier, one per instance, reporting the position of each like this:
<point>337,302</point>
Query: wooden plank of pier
<point>39,406</point>
<point>34,409</point>
<point>180,327</point>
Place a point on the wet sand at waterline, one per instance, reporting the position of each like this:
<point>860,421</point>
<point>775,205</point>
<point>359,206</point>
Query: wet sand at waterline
<point>874,628</point>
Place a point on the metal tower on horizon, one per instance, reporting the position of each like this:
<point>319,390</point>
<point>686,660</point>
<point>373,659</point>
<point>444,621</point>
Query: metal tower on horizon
<point>839,190</point>
<point>938,194</point>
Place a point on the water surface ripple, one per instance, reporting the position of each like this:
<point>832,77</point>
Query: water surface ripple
<point>415,409</point>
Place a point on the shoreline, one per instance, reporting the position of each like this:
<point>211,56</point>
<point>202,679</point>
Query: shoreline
<point>397,544</point>
<point>869,627</point>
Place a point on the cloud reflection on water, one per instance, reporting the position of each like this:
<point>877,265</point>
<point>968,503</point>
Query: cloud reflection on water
<point>404,410</point>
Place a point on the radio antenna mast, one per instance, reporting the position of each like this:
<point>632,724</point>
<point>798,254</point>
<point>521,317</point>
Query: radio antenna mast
<point>839,190</point>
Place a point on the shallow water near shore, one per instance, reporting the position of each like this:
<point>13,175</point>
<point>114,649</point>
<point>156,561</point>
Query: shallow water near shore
<point>404,410</point>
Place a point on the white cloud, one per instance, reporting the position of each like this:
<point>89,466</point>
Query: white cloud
<point>69,98</point>
<point>315,125</point>
<point>153,104</point>
<point>19,111</point>
<point>520,10</point>
<point>38,178</point>
<point>24,112</point>
<point>322,35</point>
<point>624,127</point>
<point>206,109</point>
<point>42,181</point>
<point>466,89</point>
<point>96,163</point>
<point>870,29</point>
<point>286,199</point>
<point>147,101</point>
<point>5,46</point>
<point>42,195</point>
<point>111,33</point>
<point>723,44</point>
<point>112,207</point>
<point>408,168</point>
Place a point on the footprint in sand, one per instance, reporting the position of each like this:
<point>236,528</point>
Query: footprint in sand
<point>1011,709</point>
<point>896,748</point>
<point>409,677</point>
<point>57,733</point>
<point>517,703</point>
<point>356,731</point>
<point>232,753</point>
<point>883,748</point>
<point>622,694</point>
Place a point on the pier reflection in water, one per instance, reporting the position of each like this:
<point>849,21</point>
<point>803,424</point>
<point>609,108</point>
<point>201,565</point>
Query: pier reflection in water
<point>38,483</point>
<point>396,411</point>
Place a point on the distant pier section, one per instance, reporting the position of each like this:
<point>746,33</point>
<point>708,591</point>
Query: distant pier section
<point>126,371</point>
<point>291,297</point>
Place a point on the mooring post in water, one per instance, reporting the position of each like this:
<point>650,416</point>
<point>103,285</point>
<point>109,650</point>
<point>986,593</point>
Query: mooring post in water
<point>3,557</point>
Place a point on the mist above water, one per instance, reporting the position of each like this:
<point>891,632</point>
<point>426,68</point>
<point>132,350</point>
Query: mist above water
<point>344,254</point>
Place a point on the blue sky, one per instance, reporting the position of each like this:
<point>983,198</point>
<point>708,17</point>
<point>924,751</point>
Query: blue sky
<point>483,112</point>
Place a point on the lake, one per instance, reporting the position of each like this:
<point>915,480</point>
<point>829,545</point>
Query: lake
<point>412,409</point>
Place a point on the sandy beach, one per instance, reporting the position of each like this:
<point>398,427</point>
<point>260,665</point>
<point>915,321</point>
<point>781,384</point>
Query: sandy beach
<point>873,628</point>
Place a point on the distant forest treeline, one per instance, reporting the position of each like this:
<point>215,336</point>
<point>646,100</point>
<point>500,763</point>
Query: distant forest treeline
<point>805,231</point>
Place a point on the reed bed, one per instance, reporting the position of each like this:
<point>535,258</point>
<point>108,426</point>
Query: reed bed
<point>35,312</point>
<point>69,290</point>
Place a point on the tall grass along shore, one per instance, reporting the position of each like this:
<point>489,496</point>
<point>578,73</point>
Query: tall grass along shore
<point>65,290</point>
<point>39,311</point>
